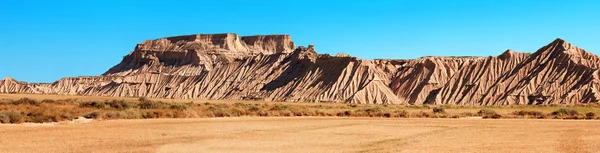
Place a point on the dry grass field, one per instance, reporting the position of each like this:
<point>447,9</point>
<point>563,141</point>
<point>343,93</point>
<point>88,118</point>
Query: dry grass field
<point>130,125</point>
<point>305,134</point>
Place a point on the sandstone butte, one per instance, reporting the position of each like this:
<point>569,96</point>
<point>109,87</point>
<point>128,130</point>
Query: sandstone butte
<point>272,68</point>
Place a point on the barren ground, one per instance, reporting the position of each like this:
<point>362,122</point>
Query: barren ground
<point>300,134</point>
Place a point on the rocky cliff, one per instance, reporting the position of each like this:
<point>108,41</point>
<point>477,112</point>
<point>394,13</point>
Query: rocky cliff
<point>272,68</point>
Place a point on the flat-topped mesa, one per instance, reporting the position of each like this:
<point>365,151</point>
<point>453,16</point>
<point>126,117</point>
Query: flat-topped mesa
<point>200,51</point>
<point>222,43</point>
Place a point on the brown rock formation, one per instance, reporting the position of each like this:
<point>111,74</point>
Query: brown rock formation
<point>226,66</point>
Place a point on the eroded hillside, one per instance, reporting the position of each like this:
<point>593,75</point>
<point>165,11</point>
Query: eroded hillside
<point>272,68</point>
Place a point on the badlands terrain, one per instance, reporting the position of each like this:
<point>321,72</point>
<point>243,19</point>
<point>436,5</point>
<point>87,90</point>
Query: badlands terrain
<point>264,94</point>
<point>272,68</point>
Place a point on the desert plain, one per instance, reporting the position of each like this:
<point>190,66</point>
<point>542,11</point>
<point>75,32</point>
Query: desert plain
<point>305,134</point>
<point>302,133</point>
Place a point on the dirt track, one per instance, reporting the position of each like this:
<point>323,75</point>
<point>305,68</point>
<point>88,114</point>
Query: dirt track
<point>305,135</point>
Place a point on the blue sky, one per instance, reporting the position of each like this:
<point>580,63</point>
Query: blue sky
<point>42,41</point>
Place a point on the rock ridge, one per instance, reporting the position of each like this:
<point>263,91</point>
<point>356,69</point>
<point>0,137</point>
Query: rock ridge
<point>272,68</point>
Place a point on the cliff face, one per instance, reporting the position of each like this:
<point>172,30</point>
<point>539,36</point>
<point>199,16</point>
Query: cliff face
<point>270,67</point>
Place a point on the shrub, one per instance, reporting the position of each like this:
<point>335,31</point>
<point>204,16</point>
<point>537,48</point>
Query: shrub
<point>374,111</point>
<point>48,101</point>
<point>590,115</point>
<point>254,109</point>
<point>151,105</point>
<point>120,104</point>
<point>26,101</point>
<point>565,112</point>
<point>403,113</point>
<point>152,114</point>
<point>94,115</point>
<point>278,107</point>
<point>93,104</point>
<point>493,116</point>
<point>486,112</point>
<point>422,115</point>
<point>439,110</point>
<point>130,114</point>
<point>4,118</point>
<point>536,114</point>
<point>39,117</point>
<point>178,106</point>
<point>12,117</point>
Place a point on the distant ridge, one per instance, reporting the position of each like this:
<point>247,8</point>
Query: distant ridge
<point>272,68</point>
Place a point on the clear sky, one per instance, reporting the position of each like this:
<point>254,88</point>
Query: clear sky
<point>42,41</point>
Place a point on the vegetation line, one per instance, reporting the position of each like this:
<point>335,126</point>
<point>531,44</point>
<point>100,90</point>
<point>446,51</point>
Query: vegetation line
<point>30,110</point>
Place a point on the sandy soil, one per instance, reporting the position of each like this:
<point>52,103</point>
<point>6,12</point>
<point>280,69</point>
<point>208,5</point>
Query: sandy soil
<point>249,134</point>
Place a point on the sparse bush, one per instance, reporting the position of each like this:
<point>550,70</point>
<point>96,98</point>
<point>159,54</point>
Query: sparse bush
<point>373,111</point>
<point>147,104</point>
<point>26,101</point>
<point>11,117</point>
<point>254,108</point>
<point>94,115</point>
<point>422,115</point>
<point>536,114</point>
<point>493,116</point>
<point>48,101</point>
<point>93,104</point>
<point>403,113</point>
<point>120,104</point>
<point>278,107</point>
<point>178,106</point>
<point>4,118</point>
<point>38,117</point>
<point>590,115</point>
<point>439,110</point>
<point>565,112</point>
<point>486,112</point>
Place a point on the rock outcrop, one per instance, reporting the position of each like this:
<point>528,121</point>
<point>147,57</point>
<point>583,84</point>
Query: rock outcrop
<point>272,68</point>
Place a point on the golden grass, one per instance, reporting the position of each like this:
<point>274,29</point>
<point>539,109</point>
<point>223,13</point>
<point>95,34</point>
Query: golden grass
<point>17,108</point>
